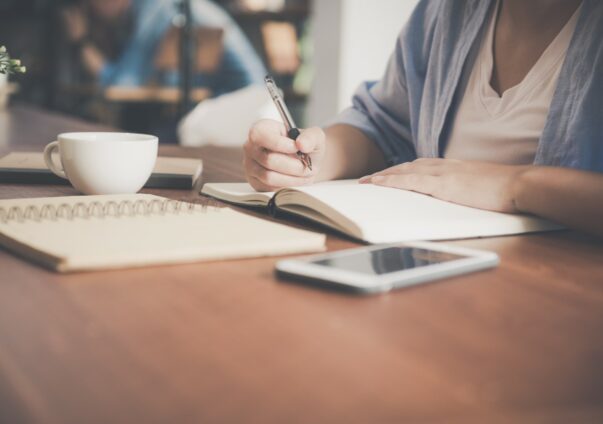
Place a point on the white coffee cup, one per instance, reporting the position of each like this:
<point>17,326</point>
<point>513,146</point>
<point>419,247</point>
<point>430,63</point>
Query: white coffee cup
<point>103,162</point>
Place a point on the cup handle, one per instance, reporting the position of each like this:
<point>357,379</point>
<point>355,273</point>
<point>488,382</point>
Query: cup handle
<point>58,170</point>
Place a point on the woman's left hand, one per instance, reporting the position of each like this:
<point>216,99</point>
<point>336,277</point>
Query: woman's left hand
<point>481,185</point>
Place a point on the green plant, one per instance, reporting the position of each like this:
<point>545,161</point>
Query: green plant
<point>9,66</point>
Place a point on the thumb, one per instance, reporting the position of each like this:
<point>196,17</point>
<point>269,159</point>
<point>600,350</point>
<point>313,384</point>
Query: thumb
<point>310,140</point>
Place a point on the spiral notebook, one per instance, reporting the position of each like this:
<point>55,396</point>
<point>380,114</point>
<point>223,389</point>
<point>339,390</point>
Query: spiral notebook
<point>79,233</point>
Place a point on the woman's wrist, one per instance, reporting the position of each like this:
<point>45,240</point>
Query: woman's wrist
<point>349,154</point>
<point>524,188</point>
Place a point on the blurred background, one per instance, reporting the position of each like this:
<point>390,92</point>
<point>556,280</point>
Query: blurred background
<point>191,71</point>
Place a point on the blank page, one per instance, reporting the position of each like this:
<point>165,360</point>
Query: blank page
<point>241,193</point>
<point>391,215</point>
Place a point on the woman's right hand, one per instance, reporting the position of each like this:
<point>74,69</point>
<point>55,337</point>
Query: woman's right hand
<point>271,161</point>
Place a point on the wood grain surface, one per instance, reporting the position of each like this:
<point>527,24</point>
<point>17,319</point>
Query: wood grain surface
<point>228,342</point>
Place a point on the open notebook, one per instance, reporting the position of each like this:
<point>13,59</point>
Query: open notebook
<point>379,214</point>
<point>97,232</point>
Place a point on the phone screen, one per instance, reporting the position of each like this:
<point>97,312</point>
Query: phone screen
<point>389,259</point>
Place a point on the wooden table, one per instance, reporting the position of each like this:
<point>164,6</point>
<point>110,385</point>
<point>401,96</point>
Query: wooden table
<point>227,342</point>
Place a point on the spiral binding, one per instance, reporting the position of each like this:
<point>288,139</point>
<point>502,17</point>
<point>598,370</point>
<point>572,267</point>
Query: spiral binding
<point>112,209</point>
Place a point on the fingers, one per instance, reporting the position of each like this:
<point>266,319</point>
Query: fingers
<point>271,160</point>
<point>421,183</point>
<point>279,162</point>
<point>427,166</point>
<point>421,175</point>
<point>311,140</point>
<point>271,135</point>
<point>263,179</point>
<point>422,166</point>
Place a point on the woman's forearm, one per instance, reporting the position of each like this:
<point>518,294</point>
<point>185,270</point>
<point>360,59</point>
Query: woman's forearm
<point>349,154</point>
<point>571,197</point>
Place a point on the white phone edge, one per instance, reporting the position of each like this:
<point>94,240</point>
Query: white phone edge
<point>301,267</point>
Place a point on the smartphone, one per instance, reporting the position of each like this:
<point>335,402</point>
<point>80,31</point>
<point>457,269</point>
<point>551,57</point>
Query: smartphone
<point>380,268</point>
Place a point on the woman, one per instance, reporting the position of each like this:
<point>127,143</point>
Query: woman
<point>483,103</point>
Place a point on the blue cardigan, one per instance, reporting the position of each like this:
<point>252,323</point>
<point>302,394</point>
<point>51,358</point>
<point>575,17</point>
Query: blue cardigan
<point>409,112</point>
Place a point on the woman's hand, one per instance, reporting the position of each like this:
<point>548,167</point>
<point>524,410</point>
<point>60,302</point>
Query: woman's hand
<point>481,185</point>
<point>270,159</point>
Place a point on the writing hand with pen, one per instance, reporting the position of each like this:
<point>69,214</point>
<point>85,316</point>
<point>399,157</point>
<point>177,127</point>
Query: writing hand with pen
<point>278,154</point>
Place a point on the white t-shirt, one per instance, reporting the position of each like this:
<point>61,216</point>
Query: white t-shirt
<point>506,129</point>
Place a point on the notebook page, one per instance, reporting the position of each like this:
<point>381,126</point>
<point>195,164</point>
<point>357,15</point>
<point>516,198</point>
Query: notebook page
<point>241,193</point>
<point>114,242</point>
<point>390,215</point>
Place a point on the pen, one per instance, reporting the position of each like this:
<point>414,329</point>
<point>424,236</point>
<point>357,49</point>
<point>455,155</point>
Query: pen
<point>292,131</point>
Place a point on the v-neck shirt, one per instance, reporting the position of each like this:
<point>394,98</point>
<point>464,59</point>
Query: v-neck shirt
<point>507,128</point>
